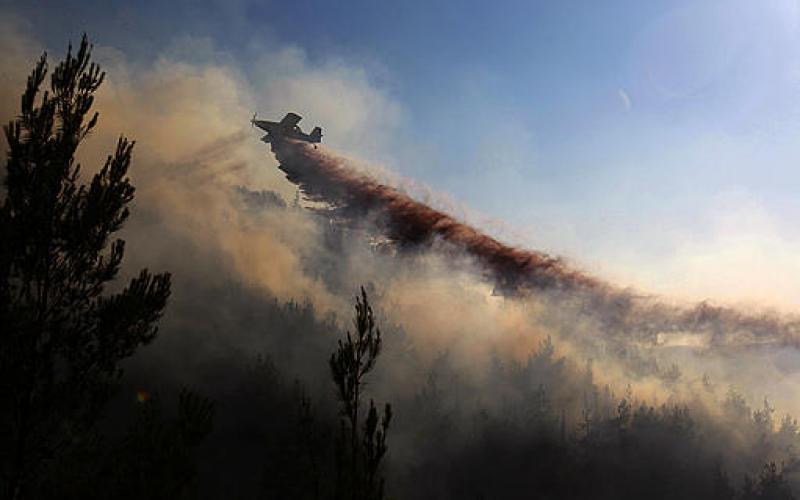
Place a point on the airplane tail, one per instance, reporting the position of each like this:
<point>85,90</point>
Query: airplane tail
<point>316,134</point>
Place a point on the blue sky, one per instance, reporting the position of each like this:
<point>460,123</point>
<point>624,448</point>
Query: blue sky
<point>634,137</point>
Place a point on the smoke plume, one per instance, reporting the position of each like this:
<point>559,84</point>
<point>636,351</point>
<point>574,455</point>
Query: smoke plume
<point>322,177</point>
<point>352,195</point>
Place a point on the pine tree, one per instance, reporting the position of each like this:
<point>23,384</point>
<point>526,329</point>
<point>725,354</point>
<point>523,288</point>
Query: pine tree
<point>62,335</point>
<point>359,455</point>
<point>721,488</point>
<point>772,485</point>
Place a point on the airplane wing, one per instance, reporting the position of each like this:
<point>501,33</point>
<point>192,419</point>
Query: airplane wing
<point>290,120</point>
<point>264,124</point>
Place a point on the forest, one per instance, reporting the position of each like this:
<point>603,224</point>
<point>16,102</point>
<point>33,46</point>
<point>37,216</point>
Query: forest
<point>126,382</point>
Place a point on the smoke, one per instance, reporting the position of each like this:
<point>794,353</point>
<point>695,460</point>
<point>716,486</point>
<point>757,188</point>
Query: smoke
<point>324,178</point>
<point>329,179</point>
<point>451,287</point>
<point>254,274</point>
<point>660,349</point>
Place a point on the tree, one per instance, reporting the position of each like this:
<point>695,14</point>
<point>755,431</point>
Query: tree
<point>772,485</point>
<point>749,491</point>
<point>62,335</point>
<point>358,463</point>
<point>154,458</point>
<point>721,488</point>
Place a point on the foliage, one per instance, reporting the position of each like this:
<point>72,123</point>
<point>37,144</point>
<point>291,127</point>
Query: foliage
<point>154,458</point>
<point>62,335</point>
<point>358,464</point>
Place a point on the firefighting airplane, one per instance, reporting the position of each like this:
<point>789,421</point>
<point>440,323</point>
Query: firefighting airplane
<point>287,128</point>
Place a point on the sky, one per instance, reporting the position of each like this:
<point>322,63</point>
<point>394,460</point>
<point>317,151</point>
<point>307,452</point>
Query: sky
<point>652,143</point>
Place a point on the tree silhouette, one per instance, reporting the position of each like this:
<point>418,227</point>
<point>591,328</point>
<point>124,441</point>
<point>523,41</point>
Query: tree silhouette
<point>61,336</point>
<point>772,485</point>
<point>154,458</point>
<point>721,489</point>
<point>358,466</point>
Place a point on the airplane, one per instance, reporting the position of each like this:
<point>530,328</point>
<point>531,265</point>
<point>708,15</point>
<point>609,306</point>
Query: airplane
<point>286,128</point>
